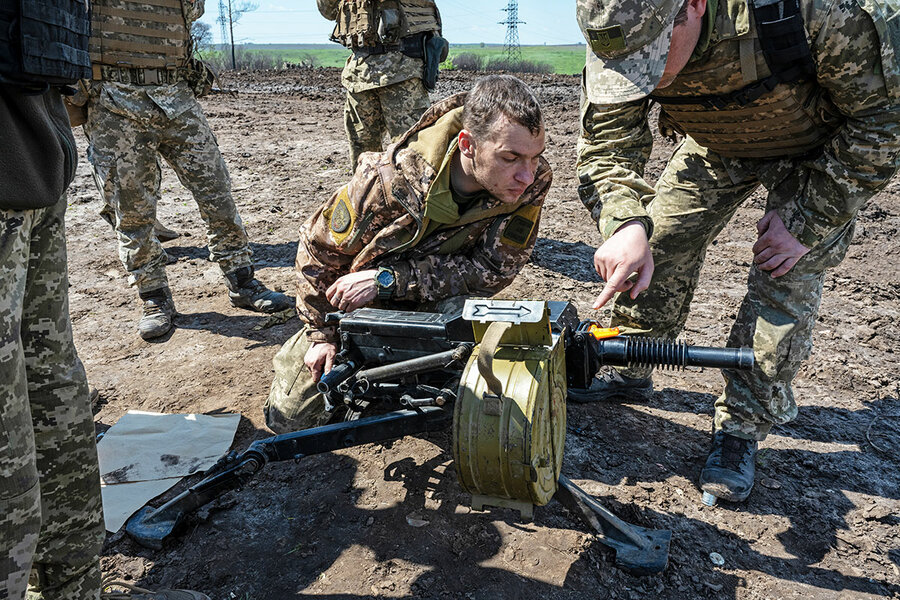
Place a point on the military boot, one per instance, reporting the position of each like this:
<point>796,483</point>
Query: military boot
<point>159,311</point>
<point>611,384</point>
<point>246,291</point>
<point>163,233</point>
<point>730,467</point>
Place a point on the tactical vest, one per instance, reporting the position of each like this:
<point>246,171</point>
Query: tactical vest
<point>44,42</point>
<point>145,34</point>
<point>755,95</point>
<point>369,23</point>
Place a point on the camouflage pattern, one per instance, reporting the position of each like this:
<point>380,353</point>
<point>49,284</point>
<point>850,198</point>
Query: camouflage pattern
<point>698,193</point>
<point>294,403</point>
<point>817,196</point>
<point>51,525</point>
<point>393,109</point>
<point>128,126</point>
<point>379,219</point>
<point>627,44</point>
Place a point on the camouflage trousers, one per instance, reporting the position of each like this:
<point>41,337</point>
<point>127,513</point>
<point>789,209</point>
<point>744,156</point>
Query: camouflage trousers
<point>697,195</point>
<point>124,155</point>
<point>393,109</point>
<point>51,524</point>
<point>294,403</point>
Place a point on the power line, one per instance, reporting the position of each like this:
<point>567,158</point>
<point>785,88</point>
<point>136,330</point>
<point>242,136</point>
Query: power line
<point>511,47</point>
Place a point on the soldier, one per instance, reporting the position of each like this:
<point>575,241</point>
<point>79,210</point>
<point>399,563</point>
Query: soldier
<point>50,506</point>
<point>396,51</point>
<point>449,210</point>
<point>141,103</point>
<point>799,96</point>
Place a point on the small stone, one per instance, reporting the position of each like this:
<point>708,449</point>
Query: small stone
<point>717,559</point>
<point>415,521</point>
<point>772,484</point>
<point>370,520</point>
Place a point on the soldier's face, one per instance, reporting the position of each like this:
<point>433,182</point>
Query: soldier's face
<point>505,162</point>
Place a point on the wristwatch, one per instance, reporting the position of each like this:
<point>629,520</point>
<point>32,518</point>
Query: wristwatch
<point>386,281</point>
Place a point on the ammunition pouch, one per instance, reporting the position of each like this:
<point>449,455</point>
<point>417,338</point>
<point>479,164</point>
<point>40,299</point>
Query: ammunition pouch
<point>436,50</point>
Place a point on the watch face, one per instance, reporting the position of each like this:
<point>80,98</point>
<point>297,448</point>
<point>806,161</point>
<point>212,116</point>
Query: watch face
<point>385,279</point>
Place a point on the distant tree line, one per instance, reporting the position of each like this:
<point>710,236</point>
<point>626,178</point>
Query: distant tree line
<point>469,61</point>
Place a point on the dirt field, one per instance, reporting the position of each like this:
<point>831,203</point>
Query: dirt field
<point>391,522</point>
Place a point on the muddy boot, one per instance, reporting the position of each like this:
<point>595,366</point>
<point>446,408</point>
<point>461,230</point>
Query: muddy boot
<point>159,310</point>
<point>612,384</point>
<point>128,591</point>
<point>730,467</point>
<point>163,233</point>
<point>246,291</point>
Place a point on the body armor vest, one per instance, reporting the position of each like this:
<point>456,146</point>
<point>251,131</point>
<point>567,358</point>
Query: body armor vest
<point>755,95</point>
<point>44,42</point>
<point>144,34</point>
<point>368,23</point>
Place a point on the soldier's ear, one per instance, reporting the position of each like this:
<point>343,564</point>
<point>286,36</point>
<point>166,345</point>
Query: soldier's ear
<point>466,143</point>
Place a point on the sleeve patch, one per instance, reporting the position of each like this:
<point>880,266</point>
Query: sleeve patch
<point>342,217</point>
<point>517,231</point>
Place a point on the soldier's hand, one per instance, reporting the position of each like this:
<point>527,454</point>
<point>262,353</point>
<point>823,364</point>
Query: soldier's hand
<point>353,290</point>
<point>776,250</point>
<point>320,358</point>
<point>627,251</point>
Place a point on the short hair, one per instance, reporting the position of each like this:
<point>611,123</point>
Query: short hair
<point>497,95</point>
<point>681,15</point>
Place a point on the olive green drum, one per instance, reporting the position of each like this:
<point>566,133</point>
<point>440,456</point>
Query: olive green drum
<point>508,449</point>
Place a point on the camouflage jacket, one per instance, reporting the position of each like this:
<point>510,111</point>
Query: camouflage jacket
<point>380,218</point>
<point>363,73</point>
<point>858,70</point>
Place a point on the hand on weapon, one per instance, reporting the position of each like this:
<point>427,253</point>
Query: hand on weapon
<point>320,358</point>
<point>776,250</point>
<point>353,290</point>
<point>626,252</point>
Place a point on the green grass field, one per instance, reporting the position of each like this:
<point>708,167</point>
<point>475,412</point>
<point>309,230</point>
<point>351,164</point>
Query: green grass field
<point>567,60</point>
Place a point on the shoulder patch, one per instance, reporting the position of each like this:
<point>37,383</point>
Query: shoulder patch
<point>342,217</point>
<point>606,40</point>
<point>518,231</point>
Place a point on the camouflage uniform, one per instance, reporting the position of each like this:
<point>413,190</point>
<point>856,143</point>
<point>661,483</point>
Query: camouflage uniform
<point>396,212</point>
<point>817,192</point>
<point>385,93</point>
<point>128,125</point>
<point>51,523</point>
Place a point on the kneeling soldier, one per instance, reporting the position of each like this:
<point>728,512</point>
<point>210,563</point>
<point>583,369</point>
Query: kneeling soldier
<point>450,210</point>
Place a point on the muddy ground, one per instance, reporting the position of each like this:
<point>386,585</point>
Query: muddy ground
<point>391,522</point>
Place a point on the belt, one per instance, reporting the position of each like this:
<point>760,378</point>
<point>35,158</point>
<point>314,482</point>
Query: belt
<point>136,76</point>
<point>412,46</point>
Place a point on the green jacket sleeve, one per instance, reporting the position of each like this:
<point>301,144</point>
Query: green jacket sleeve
<point>822,195</point>
<point>613,150</point>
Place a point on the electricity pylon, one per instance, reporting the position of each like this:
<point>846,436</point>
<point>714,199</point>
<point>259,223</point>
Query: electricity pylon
<point>511,48</point>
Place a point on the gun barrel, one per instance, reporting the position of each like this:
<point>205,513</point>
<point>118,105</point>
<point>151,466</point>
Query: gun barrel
<point>653,352</point>
<point>336,376</point>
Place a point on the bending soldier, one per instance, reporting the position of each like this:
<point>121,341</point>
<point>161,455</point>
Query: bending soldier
<point>396,48</point>
<point>450,210</point>
<point>141,104</point>
<point>799,96</point>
